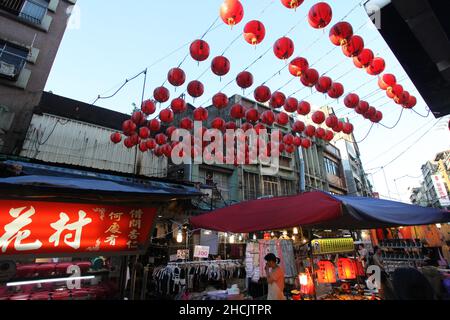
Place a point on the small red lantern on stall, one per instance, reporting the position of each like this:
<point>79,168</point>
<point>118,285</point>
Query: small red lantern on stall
<point>195,89</point>
<point>346,269</point>
<point>341,33</point>
<point>244,79</point>
<point>307,283</point>
<point>232,12</point>
<point>326,273</point>
<point>199,50</point>
<point>220,66</point>
<point>310,77</point>
<point>176,77</point>
<point>284,48</point>
<point>297,66</point>
<point>353,47</point>
<point>254,32</point>
<point>320,15</point>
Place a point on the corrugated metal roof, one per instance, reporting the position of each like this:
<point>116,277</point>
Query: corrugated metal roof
<point>56,139</point>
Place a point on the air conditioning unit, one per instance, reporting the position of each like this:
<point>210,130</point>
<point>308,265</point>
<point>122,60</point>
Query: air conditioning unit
<point>8,70</point>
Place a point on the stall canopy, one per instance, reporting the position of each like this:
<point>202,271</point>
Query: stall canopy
<point>317,210</point>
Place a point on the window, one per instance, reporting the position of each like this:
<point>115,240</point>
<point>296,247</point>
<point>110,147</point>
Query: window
<point>287,187</point>
<point>252,186</point>
<point>271,186</point>
<point>332,167</point>
<point>32,11</point>
<point>12,60</point>
<point>220,180</point>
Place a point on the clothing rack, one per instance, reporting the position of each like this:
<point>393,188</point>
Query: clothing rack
<point>203,262</point>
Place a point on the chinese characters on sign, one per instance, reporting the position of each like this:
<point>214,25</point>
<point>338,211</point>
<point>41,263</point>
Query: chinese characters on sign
<point>47,228</point>
<point>441,190</point>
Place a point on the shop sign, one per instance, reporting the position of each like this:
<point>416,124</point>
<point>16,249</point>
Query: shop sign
<point>441,190</point>
<point>51,228</point>
<point>330,246</point>
<point>201,252</point>
<point>183,254</point>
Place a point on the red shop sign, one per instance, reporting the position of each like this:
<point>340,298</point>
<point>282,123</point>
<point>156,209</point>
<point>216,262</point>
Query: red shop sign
<point>43,228</point>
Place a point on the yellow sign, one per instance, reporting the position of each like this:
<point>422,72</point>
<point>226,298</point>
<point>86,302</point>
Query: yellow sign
<point>329,246</point>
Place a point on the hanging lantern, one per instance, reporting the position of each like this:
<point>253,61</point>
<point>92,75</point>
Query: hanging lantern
<point>161,94</point>
<point>178,105</point>
<point>376,67</point>
<point>170,130</point>
<point>377,117</point>
<point>387,81</point>
<point>363,107</point>
<point>331,121</point>
<point>161,139</point>
<point>244,79</point>
<point>128,127</point>
<point>290,149</point>
<point>166,116</point>
<point>306,143</point>
<point>339,127</point>
<point>282,119</point>
<point>336,91</point>
<point>245,127</point>
<point>144,133</point>
<point>199,50</point>
<point>320,133</point>
<point>262,94</point>
<point>220,66</point>
<point>347,128</point>
<point>291,105</point>
<point>341,33</point>
<point>116,137</point>
<point>354,46</point>
<point>412,102</point>
<point>346,270</point>
<point>320,15</point>
<point>138,117</point>
<point>371,112</point>
<point>230,126</point>
<point>143,146</point>
<point>252,115</point>
<point>254,32</point>
<point>365,58</point>
<point>292,4</point>
<point>298,144</point>
<point>167,150</point>
<point>310,77</point>
<point>231,12</point>
<point>277,100</point>
<point>304,108</point>
<point>403,98</point>
<point>218,123</point>
<point>148,107</point>
<point>237,112</point>
<point>200,114</point>
<point>318,117</point>
<point>358,266</point>
<point>298,66</point>
<point>283,48</point>
<point>259,127</point>
<point>324,84</point>
<point>298,127</point>
<point>176,77</point>
<point>306,283</point>
<point>268,117</point>
<point>127,143</point>
<point>195,89</point>
<point>135,140</point>
<point>151,144</point>
<point>395,91</point>
<point>329,136</point>
<point>288,139</point>
<point>351,100</point>
<point>326,273</point>
<point>186,124</point>
<point>220,101</point>
<point>154,125</point>
<point>310,131</point>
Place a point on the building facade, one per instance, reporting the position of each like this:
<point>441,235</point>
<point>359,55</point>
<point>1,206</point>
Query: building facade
<point>30,34</point>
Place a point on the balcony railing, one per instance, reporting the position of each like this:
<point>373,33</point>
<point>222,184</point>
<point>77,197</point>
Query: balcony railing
<point>29,10</point>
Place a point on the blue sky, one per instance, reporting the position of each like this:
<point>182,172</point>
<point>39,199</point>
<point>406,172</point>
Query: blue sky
<point>115,41</point>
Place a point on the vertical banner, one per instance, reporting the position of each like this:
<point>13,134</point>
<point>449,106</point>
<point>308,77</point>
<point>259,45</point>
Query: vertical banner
<point>441,190</point>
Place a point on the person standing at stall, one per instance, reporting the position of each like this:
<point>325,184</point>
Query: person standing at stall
<point>275,278</point>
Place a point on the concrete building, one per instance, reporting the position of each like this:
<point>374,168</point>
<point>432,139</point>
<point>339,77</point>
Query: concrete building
<point>30,34</point>
<point>428,170</point>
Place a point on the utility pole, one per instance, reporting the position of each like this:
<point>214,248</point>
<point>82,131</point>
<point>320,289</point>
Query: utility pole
<point>387,185</point>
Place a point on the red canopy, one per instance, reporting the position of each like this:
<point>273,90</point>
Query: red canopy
<point>272,214</point>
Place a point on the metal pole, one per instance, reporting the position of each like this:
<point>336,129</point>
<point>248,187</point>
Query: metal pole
<point>387,185</point>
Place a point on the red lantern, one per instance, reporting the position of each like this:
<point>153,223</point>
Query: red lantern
<point>166,116</point>
<point>291,105</point>
<point>324,84</point>
<point>347,128</point>
<point>176,77</point>
<point>329,136</point>
<point>218,123</point>
<point>376,67</point>
<point>288,139</point>
<point>237,112</point>
<point>138,117</point>
<point>170,131</point>
<point>310,77</point>
<point>259,127</point>
<point>230,126</point>
<point>128,144</point>
<point>341,33</point>
<point>339,127</point>
<point>283,48</point>
<point>277,100</point>
<point>128,127</point>
<point>297,142</point>
<point>298,66</point>
<point>346,270</point>
<point>394,91</point>
<point>298,127</point>
<point>178,105</point>
<point>245,127</point>
<point>195,89</point>
<point>365,58</point>
<point>167,150</point>
<point>363,107</point>
<point>186,124</point>
<point>200,114</point>
<point>232,12</point>
<point>306,143</point>
<point>403,98</point>
<point>199,50</point>
<point>220,100</point>
<point>354,46</point>
<point>220,66</point>
<point>148,107</point>
<point>282,119</point>
<point>268,117</point>
<point>332,121</point>
<point>154,125</point>
<point>144,133</point>
<point>386,81</point>
<point>292,4</point>
<point>290,148</point>
<point>262,94</point>
<point>318,117</point>
<point>371,112</point>
<point>320,133</point>
<point>161,139</point>
<point>254,32</point>
<point>336,91</point>
<point>252,115</point>
<point>326,272</point>
<point>151,144</point>
<point>320,15</point>
<point>412,102</point>
<point>135,140</point>
<point>351,100</point>
<point>304,108</point>
<point>310,131</point>
<point>143,146</point>
<point>244,79</point>
<point>116,138</point>
<point>161,94</point>
<point>377,117</point>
